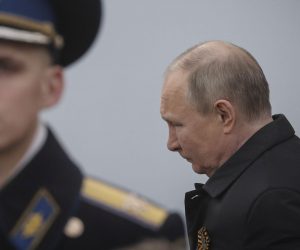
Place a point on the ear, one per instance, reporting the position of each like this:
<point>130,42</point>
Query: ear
<point>52,87</point>
<point>226,114</point>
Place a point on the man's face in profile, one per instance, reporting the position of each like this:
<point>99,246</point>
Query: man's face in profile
<point>193,135</point>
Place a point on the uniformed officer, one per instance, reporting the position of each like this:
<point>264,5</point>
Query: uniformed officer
<point>45,202</point>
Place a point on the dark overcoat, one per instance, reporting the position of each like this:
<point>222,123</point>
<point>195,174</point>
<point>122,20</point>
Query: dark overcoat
<point>253,200</point>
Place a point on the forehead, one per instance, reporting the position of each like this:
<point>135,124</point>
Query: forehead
<point>13,44</point>
<point>176,82</point>
<point>20,50</point>
<point>174,92</point>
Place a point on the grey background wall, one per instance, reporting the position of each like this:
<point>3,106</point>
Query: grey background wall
<point>109,117</point>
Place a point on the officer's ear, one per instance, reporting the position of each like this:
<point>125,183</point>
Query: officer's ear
<point>52,86</point>
<point>226,114</point>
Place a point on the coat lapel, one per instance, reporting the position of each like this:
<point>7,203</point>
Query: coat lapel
<point>196,203</point>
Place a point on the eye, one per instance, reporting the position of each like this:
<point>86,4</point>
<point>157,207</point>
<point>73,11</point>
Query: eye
<point>175,124</point>
<point>9,66</point>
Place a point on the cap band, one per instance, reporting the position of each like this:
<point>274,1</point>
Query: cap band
<point>22,29</point>
<point>23,36</point>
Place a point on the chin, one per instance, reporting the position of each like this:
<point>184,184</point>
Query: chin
<point>197,169</point>
<point>202,170</point>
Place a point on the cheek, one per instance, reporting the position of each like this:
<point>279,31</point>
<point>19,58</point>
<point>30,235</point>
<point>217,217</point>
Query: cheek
<point>24,101</point>
<point>195,142</point>
<point>19,104</point>
<point>187,139</point>
<point>18,117</point>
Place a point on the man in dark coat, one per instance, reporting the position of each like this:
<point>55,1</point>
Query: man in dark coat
<point>215,100</point>
<point>45,201</point>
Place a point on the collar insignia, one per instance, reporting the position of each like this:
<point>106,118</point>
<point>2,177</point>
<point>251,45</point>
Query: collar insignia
<point>35,221</point>
<point>203,241</point>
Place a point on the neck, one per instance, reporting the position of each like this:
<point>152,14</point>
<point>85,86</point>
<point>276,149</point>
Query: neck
<point>249,129</point>
<point>10,156</point>
<point>236,139</point>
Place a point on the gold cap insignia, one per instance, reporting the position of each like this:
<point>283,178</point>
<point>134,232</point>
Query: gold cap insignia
<point>203,239</point>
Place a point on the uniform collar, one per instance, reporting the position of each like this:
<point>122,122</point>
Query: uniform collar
<point>35,205</point>
<point>272,134</point>
<point>38,141</point>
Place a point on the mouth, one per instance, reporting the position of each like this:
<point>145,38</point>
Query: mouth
<point>189,160</point>
<point>186,158</point>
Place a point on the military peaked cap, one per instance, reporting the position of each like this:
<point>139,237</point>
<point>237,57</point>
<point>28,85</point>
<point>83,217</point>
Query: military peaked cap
<point>68,26</point>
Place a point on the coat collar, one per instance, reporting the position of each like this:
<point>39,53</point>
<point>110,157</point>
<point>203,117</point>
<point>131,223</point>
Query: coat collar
<point>35,205</point>
<point>272,134</point>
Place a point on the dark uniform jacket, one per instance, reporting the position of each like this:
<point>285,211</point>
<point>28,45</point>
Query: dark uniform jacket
<point>253,200</point>
<point>49,205</point>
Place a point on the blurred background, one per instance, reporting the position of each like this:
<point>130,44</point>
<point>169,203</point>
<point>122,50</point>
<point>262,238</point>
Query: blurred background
<point>109,118</point>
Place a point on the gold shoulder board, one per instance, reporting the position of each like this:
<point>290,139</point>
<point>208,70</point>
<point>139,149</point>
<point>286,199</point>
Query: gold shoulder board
<point>124,202</point>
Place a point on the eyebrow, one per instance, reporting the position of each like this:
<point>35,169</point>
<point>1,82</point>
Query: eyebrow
<point>11,61</point>
<point>168,120</point>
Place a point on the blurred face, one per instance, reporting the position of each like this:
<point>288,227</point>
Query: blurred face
<point>25,74</point>
<point>197,138</point>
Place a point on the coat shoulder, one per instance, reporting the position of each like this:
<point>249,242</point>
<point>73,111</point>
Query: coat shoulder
<point>114,217</point>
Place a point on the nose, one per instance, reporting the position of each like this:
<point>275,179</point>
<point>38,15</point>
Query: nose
<point>173,144</point>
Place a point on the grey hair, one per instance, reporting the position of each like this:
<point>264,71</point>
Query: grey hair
<point>220,70</point>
